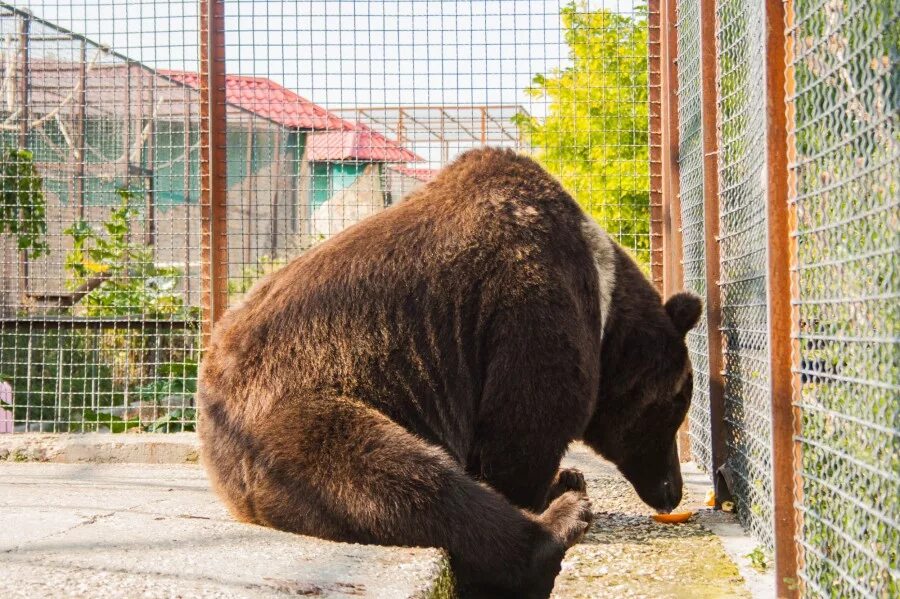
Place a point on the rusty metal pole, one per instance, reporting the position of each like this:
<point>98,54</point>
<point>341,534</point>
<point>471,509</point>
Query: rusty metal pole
<point>673,276</point>
<point>670,242</point>
<point>655,135</point>
<point>780,308</point>
<point>213,192</point>
<point>709,123</point>
<point>78,156</point>
<point>24,114</point>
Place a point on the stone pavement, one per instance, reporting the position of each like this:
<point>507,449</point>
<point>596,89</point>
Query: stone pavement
<point>156,530</point>
<point>115,530</point>
<point>626,555</point>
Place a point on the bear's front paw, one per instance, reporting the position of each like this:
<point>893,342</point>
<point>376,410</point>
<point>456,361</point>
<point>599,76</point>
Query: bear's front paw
<point>567,479</point>
<point>562,525</point>
<point>568,518</point>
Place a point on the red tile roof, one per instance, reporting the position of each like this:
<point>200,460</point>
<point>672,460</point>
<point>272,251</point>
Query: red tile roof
<point>268,99</point>
<point>359,144</point>
<point>422,174</point>
<point>339,140</point>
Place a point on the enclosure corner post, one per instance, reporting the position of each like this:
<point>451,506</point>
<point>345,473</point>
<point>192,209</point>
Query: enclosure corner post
<point>780,316</point>
<point>214,233</point>
<point>710,140</point>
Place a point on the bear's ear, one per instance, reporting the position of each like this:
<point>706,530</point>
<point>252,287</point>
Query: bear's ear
<point>684,310</point>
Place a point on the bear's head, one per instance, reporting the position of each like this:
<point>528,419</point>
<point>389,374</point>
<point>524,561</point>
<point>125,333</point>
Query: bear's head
<point>646,385</point>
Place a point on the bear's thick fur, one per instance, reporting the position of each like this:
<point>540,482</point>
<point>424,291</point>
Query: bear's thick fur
<point>416,379</point>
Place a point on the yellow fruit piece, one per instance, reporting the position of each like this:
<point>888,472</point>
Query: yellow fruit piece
<point>727,506</point>
<point>673,518</point>
<point>710,498</point>
<point>95,266</point>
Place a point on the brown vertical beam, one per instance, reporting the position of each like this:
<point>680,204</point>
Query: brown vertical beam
<point>24,91</point>
<point>655,124</point>
<point>279,182</point>
<point>247,224</point>
<point>126,124</point>
<point>24,83</point>
<point>150,192</point>
<point>483,125</point>
<point>213,194</point>
<point>709,122</point>
<point>186,182</point>
<point>671,184</point>
<point>78,155</point>
<point>780,308</point>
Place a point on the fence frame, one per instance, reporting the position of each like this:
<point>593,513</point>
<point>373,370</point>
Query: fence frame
<point>782,314</point>
<point>213,161</point>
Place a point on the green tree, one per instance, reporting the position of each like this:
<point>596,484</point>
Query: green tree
<point>595,137</point>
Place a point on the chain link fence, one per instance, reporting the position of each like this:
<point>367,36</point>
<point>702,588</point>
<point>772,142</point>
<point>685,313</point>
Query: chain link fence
<point>846,179</point>
<point>843,181</point>
<point>690,159</point>
<point>742,245</point>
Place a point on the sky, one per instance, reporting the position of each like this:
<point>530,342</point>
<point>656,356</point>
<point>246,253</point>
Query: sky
<point>343,53</point>
<point>348,53</point>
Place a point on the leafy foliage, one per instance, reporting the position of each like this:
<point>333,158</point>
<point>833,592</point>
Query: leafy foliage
<point>595,137</point>
<point>23,208</point>
<point>133,283</point>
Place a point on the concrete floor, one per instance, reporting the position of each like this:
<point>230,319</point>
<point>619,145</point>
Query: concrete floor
<point>112,530</point>
<point>156,530</point>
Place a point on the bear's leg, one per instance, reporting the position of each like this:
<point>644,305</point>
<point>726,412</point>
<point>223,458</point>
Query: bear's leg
<point>339,469</point>
<point>567,479</point>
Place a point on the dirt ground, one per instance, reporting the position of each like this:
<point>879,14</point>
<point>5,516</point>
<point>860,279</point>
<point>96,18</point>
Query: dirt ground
<point>628,555</point>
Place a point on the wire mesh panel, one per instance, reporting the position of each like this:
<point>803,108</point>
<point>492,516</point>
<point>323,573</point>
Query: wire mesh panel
<point>334,111</point>
<point>741,88</point>
<point>98,205</point>
<point>845,185</point>
<point>690,162</point>
<point>374,97</point>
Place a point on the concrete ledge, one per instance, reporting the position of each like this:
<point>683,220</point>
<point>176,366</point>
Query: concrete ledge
<point>113,530</point>
<point>125,448</point>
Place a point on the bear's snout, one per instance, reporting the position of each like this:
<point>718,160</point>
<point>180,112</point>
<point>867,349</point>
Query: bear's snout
<point>670,493</point>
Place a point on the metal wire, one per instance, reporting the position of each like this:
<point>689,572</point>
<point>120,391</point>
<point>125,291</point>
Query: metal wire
<point>740,33</point>
<point>334,110</point>
<point>100,251</point>
<point>845,195</point>
<point>690,153</point>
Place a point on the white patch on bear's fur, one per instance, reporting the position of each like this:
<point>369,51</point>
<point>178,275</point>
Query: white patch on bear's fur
<point>605,261</point>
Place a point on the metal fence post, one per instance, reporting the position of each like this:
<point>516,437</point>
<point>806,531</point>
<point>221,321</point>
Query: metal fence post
<point>24,92</point>
<point>667,218</point>
<point>657,181</point>
<point>214,235</point>
<point>671,200</point>
<point>709,120</point>
<point>779,304</point>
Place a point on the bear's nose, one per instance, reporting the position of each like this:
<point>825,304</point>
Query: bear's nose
<point>671,494</point>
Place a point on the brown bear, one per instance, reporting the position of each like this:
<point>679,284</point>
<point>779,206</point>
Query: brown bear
<point>416,379</point>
